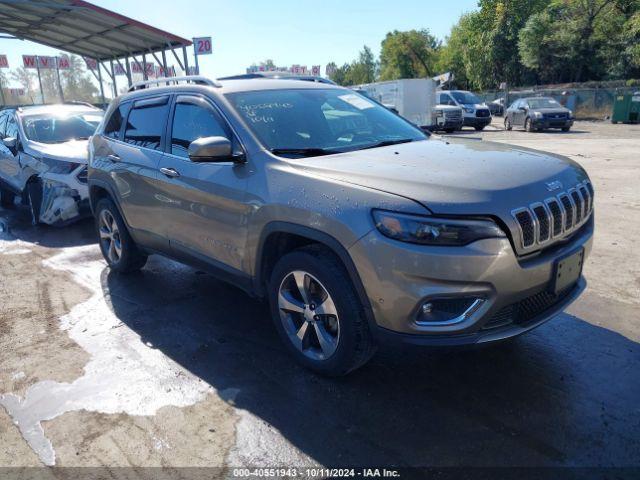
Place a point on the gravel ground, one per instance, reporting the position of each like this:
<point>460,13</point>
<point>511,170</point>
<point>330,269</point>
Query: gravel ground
<point>170,367</point>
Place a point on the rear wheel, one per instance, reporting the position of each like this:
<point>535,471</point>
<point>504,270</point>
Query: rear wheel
<point>449,130</point>
<point>317,312</point>
<point>479,128</point>
<point>117,246</point>
<point>7,197</point>
<point>566,129</point>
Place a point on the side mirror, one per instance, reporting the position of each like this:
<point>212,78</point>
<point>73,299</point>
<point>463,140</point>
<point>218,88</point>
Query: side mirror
<point>524,109</point>
<point>212,149</point>
<point>10,142</point>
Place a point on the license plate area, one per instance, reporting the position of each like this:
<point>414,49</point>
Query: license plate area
<point>567,271</point>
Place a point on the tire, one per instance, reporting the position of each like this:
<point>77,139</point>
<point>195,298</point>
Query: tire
<point>566,129</point>
<point>528,125</point>
<point>117,246</point>
<point>449,130</point>
<point>7,198</point>
<point>348,343</point>
<point>479,128</point>
<point>507,124</point>
<point>34,200</point>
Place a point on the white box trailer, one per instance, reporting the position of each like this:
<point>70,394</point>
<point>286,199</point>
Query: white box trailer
<point>413,98</point>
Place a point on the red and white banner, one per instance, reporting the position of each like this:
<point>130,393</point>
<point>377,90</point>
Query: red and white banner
<point>16,92</point>
<point>64,63</point>
<point>91,63</point>
<point>119,69</point>
<point>4,62</point>
<point>136,67</point>
<point>315,70</point>
<point>30,61</point>
<point>46,62</point>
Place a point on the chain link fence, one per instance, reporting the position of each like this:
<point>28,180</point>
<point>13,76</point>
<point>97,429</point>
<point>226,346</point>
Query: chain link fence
<point>587,101</point>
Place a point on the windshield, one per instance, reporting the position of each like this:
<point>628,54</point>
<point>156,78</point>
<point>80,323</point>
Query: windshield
<point>543,103</point>
<point>466,98</point>
<point>60,128</point>
<point>305,122</point>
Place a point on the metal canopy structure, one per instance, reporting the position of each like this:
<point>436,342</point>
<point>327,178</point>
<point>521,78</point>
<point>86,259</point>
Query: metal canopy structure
<point>79,27</point>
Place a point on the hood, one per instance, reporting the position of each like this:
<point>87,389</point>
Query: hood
<point>551,110</point>
<point>74,151</point>
<point>453,176</point>
<point>477,106</point>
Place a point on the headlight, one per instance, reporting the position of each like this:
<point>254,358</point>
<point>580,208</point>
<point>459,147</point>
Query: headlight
<point>570,114</point>
<point>469,110</point>
<point>433,230</point>
<point>537,114</point>
<point>438,113</point>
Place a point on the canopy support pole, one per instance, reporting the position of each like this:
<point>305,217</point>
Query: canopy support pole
<point>176,56</point>
<point>39,79</point>
<point>186,60</point>
<point>144,67</point>
<point>100,82</point>
<point>113,78</point>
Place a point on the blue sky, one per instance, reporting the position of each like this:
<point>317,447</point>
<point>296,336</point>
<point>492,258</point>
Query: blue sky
<point>287,31</point>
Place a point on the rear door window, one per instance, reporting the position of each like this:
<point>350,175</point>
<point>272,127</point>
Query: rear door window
<point>146,123</point>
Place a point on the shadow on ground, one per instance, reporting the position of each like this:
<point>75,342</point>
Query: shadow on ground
<point>15,224</point>
<point>565,394</point>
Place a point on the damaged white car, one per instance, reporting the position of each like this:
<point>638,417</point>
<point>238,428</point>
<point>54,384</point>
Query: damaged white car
<point>43,159</point>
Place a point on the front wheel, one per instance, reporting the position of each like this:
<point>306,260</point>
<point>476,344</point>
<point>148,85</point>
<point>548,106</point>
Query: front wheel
<point>528,125</point>
<point>116,244</point>
<point>566,129</point>
<point>479,128</point>
<point>317,312</point>
<point>7,198</point>
<point>34,200</point>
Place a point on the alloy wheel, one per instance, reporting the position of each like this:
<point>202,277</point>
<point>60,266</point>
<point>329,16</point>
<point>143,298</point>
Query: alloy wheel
<point>309,315</point>
<point>110,237</point>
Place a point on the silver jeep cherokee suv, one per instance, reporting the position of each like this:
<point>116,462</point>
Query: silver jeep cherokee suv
<point>354,224</point>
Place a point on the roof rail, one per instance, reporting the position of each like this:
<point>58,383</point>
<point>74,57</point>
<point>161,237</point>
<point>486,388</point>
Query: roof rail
<point>198,80</point>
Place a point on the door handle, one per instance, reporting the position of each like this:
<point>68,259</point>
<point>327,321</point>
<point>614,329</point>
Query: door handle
<point>170,172</point>
<point>113,157</point>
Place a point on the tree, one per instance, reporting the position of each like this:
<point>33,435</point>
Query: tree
<point>567,41</point>
<point>76,81</point>
<point>27,79</point>
<point>362,70</point>
<point>339,74</point>
<point>410,54</point>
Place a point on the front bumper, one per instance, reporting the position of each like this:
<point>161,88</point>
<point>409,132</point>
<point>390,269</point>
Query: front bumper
<point>399,278</point>
<point>552,123</point>
<point>476,121</point>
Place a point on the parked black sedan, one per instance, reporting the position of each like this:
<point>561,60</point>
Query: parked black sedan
<point>537,114</point>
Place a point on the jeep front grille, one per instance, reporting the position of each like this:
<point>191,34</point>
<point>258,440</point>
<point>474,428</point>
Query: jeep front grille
<point>541,222</point>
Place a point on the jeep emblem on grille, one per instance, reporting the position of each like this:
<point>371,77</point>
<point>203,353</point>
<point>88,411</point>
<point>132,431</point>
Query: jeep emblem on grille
<point>555,185</point>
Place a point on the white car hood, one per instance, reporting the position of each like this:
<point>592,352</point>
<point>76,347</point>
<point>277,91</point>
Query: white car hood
<point>73,151</point>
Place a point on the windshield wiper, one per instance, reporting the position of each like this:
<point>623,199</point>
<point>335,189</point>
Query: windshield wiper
<point>386,143</point>
<point>305,152</point>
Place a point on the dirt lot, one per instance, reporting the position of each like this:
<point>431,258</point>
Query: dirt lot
<point>170,367</point>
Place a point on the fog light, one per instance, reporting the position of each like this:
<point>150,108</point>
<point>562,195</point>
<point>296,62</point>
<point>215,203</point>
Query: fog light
<point>447,311</point>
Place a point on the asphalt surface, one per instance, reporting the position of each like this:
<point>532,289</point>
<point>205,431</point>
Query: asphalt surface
<point>170,367</point>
